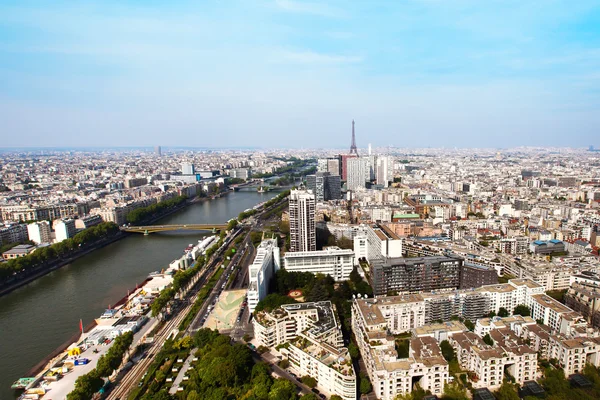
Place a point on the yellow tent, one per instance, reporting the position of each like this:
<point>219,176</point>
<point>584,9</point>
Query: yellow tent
<point>75,351</point>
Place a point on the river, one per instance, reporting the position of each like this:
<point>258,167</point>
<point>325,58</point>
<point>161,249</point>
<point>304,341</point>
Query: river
<point>38,317</point>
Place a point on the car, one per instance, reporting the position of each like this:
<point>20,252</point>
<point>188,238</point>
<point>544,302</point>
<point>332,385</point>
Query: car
<point>315,391</point>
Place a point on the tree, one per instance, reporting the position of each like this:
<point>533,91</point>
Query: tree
<point>503,312</point>
<point>309,381</point>
<point>522,310</point>
<point>335,397</point>
<point>353,351</point>
<point>453,391</point>
<point>447,350</point>
<point>470,326</point>
<point>284,363</point>
<point>488,339</point>
<point>365,384</point>
<point>282,389</point>
<point>507,391</point>
<point>310,396</point>
<point>355,277</point>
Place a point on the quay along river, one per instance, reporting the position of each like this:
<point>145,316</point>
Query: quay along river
<point>37,318</point>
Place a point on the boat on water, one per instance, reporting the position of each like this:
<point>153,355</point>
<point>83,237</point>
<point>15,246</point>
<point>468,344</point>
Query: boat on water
<point>189,248</point>
<point>262,189</point>
<point>21,383</point>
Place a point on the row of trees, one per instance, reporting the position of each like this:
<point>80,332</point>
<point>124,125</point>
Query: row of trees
<point>296,165</point>
<point>89,384</point>
<point>141,214</point>
<point>48,254</point>
<point>226,371</point>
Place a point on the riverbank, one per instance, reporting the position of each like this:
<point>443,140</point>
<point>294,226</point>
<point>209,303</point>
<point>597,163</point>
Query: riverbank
<point>61,263</point>
<point>39,317</point>
<point>44,270</point>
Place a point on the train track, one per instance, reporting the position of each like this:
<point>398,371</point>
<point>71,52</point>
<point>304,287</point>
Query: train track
<point>135,374</point>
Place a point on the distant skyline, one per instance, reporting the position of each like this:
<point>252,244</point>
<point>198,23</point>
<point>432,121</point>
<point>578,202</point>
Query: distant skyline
<point>291,73</point>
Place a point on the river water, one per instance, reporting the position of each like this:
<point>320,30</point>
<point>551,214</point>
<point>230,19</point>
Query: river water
<point>38,317</point>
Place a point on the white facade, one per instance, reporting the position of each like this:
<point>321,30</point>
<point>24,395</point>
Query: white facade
<point>383,166</point>
<point>382,243</point>
<point>314,344</point>
<point>333,261</point>
<point>302,221</point>
<point>265,264</point>
<point>39,232</point>
<point>64,229</point>
<point>357,171</point>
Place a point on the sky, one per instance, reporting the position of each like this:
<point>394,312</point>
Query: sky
<point>292,73</point>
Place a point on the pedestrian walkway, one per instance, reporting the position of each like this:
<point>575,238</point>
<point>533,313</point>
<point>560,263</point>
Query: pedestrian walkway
<point>182,372</point>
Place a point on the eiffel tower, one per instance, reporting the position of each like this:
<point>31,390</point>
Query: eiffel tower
<point>353,149</point>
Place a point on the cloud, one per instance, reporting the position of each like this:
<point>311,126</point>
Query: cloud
<point>304,7</point>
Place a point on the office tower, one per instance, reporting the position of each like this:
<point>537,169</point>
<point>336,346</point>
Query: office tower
<point>39,232</point>
<point>382,171</point>
<point>324,186</point>
<point>187,169</point>
<point>158,150</point>
<point>369,149</point>
<point>322,164</point>
<point>333,166</point>
<point>357,173</point>
<point>353,149</point>
<point>344,164</point>
<point>302,221</point>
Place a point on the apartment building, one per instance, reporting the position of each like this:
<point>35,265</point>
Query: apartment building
<point>585,299</point>
<point>313,343</point>
<point>302,221</point>
<point>390,375</point>
<point>333,261</point>
<point>410,275</point>
<point>263,268</point>
<point>39,232</point>
<point>488,363</point>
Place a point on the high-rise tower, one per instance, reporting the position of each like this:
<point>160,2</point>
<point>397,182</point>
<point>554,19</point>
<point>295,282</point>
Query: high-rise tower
<point>353,149</point>
<point>302,221</point>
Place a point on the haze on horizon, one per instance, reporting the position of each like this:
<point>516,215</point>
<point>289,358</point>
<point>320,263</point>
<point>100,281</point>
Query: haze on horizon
<point>291,73</point>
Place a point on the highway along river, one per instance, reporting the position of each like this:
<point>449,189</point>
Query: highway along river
<point>40,316</point>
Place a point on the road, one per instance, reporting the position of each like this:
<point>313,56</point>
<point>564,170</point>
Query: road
<point>134,375</point>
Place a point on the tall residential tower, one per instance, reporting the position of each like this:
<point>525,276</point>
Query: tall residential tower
<point>303,236</point>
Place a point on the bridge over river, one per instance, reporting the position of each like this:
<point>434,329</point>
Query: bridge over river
<point>147,229</point>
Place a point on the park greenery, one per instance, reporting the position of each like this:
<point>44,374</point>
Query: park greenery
<point>294,164</point>
<point>142,214</point>
<point>223,370</point>
<point>44,256</point>
<point>89,384</point>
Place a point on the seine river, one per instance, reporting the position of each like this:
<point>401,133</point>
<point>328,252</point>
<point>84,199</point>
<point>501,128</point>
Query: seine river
<point>38,317</point>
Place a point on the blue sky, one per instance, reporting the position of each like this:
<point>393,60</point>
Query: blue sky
<point>291,73</point>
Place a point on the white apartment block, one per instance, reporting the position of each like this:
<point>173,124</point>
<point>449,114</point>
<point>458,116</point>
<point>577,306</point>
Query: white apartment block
<point>574,353</point>
<point>488,362</point>
<point>264,266</point>
<point>390,375</point>
<point>357,173</point>
<point>302,221</point>
<point>313,344</point>
<point>381,242</point>
<point>333,261</point>
<point>39,232</point>
<point>64,229</point>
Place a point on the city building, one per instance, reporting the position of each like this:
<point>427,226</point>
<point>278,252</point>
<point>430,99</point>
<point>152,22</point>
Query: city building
<point>411,275</point>
<point>20,250</point>
<point>585,299</point>
<point>547,247</point>
<point>263,268</point>
<point>40,232</point>
<point>187,169</point>
<point>474,276</point>
<point>13,233</point>
<point>311,339</point>
<point>357,173</point>
<point>390,375</point>
<point>333,261</point>
<point>325,186</point>
<point>302,221</point>
<point>88,221</point>
<point>64,229</point>
<point>381,243</point>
